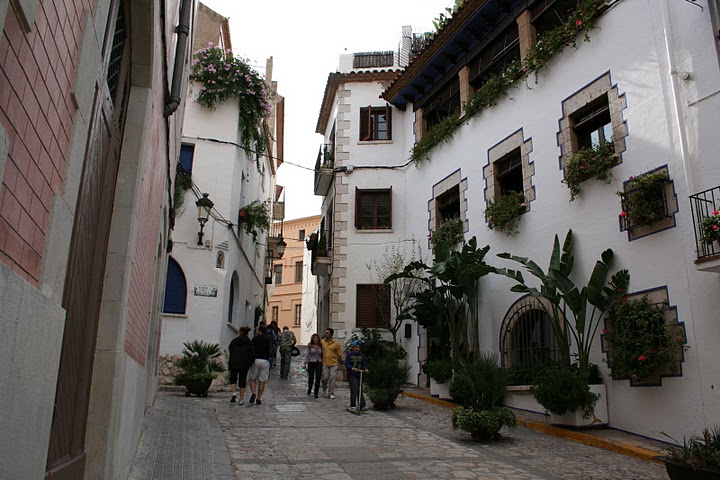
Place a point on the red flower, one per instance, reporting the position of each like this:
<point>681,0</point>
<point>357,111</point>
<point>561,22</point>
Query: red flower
<point>631,178</point>
<point>716,212</point>
<point>623,214</point>
<point>578,23</point>
<point>634,376</point>
<point>642,358</point>
<point>604,331</point>
<point>715,227</point>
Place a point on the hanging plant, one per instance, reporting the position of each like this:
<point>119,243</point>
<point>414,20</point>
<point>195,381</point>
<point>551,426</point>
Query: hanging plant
<point>581,20</point>
<point>590,163</point>
<point>503,214</point>
<point>255,218</point>
<point>183,183</point>
<point>639,342</point>
<point>450,231</point>
<point>643,200</point>
<point>224,77</point>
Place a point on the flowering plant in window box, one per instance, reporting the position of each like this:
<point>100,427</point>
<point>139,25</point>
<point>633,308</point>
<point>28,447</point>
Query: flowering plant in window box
<point>710,228</point>
<point>640,344</point>
<point>503,214</point>
<point>450,232</point>
<point>643,200</point>
<point>590,163</point>
<point>255,218</point>
<point>223,77</point>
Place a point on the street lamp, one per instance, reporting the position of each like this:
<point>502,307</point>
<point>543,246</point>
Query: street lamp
<point>204,206</point>
<point>281,248</point>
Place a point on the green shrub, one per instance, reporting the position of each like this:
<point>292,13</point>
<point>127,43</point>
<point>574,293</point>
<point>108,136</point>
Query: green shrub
<point>700,451</point>
<point>503,213</point>
<point>440,370</point>
<point>388,373</point>
<point>561,389</point>
<point>480,384</point>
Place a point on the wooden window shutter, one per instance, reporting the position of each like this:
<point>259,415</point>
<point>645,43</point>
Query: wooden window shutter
<point>365,307</point>
<point>365,123</point>
<point>388,117</point>
<point>357,207</point>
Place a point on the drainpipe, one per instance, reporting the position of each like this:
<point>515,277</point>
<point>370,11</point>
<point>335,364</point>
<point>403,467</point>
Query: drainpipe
<point>183,31</point>
<point>676,96</point>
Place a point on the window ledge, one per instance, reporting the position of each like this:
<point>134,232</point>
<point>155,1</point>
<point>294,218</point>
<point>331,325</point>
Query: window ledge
<point>374,142</point>
<point>373,230</point>
<point>232,327</point>
<point>175,315</point>
<point>521,389</point>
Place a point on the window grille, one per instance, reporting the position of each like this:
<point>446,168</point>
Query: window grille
<point>373,59</point>
<point>527,335</point>
<point>116,53</point>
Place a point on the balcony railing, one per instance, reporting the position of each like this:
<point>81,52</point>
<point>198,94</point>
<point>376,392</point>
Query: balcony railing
<point>702,205</point>
<point>324,169</point>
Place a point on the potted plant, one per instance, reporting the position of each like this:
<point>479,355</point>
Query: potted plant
<point>198,367</point>
<point>697,459</point>
<point>590,163</point>
<point>255,218</point>
<point>567,304</point>
<point>710,228</point>
<point>643,200</point>
<point>440,372</point>
<point>385,381</point>
<point>503,214</point>
<point>570,397</point>
<point>639,343</point>
<point>480,387</point>
<point>449,231</point>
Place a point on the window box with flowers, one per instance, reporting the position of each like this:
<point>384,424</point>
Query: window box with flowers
<point>503,214</point>
<point>254,218</point>
<point>589,163</point>
<point>223,77</point>
<point>710,228</point>
<point>450,231</point>
<point>644,200</point>
<point>641,345</point>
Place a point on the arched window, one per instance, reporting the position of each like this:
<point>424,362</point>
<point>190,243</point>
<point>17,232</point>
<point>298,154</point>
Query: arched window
<point>526,335</point>
<point>175,289</point>
<point>233,302</point>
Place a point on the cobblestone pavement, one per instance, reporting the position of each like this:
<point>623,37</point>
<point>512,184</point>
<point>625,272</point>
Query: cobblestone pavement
<point>294,436</point>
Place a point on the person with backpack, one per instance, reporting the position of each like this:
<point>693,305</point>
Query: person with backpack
<point>241,358</point>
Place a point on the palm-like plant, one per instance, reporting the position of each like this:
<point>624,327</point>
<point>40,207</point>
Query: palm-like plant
<point>447,306</point>
<point>200,361</point>
<point>568,304</point>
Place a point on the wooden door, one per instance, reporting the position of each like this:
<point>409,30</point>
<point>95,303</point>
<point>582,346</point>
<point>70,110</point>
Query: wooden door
<point>88,253</point>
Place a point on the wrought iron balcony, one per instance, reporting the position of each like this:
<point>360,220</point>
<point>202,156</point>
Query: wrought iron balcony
<point>324,169</point>
<point>704,206</point>
<point>321,257</point>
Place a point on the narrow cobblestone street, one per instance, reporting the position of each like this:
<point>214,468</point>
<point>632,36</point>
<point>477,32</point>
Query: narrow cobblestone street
<point>294,436</point>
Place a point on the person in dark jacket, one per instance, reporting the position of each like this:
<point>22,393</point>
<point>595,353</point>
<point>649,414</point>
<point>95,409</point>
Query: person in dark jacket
<point>260,370</point>
<point>241,358</point>
<point>355,363</point>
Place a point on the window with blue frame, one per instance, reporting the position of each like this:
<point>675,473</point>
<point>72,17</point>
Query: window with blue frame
<point>187,153</point>
<point>175,289</point>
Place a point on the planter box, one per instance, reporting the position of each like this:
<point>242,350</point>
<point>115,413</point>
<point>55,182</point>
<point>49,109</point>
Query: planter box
<point>677,471</point>
<point>520,397</point>
<point>599,418</point>
<point>440,390</point>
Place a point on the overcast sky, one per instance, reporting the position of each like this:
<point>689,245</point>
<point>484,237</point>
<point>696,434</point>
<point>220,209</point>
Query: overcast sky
<point>305,40</point>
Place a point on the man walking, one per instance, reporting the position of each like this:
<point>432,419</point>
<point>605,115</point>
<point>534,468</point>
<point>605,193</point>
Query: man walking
<point>260,370</point>
<point>286,340</point>
<point>332,359</point>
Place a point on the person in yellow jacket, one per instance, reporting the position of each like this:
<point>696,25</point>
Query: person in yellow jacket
<point>331,361</point>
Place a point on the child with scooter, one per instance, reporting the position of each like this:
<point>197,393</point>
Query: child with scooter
<point>355,366</point>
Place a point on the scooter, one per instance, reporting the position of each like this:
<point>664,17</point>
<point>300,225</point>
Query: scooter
<point>357,410</point>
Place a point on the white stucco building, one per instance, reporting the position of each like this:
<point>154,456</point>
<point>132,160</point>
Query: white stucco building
<point>647,80</point>
<point>217,283</point>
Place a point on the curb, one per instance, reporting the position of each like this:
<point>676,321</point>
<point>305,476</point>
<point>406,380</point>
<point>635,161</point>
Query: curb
<point>574,435</point>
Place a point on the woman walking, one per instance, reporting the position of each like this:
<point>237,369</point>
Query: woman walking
<point>313,363</point>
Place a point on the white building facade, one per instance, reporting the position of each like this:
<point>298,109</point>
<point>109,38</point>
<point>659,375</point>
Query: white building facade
<point>657,101</point>
<point>217,282</point>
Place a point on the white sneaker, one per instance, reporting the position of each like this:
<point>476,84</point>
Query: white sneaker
<point>240,402</point>
<point>332,397</point>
